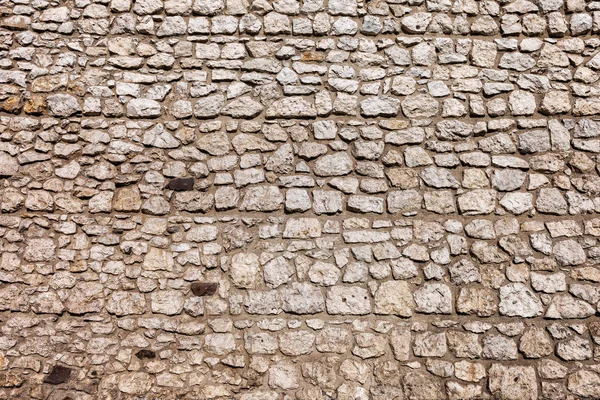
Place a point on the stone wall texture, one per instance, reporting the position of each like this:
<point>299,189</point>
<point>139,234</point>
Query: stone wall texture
<point>300,199</point>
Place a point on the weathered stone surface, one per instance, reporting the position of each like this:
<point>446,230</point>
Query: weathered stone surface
<point>158,259</point>
<point>244,107</point>
<point>348,301</point>
<point>302,298</point>
<point>383,106</point>
<point>143,108</point>
<point>477,202</point>
<point>569,252</point>
<point>420,106</point>
<point>168,302</point>
<point>262,198</point>
<point>394,298</point>
<point>479,301</point>
<point>403,201</point>
<point>62,105</point>
<point>219,343</point>
<point>584,383</point>
<point>433,298</point>
<point>469,372</point>
<point>135,383</point>
<point>336,164</point>
<point>292,107</point>
<point>39,250</point>
<point>222,199</point>
<point>296,343</point>
<point>498,347</point>
<point>209,107</point>
<point>9,166</point>
<point>430,344</point>
<point>535,343</point>
<point>513,382</point>
<point>576,349</point>
<point>302,228</point>
<point>566,306</point>
<point>85,297</point>
<point>284,375</point>
<point>464,344</point>
<point>333,340</point>
<point>551,201</point>
<point>244,270</point>
<point>127,199</point>
<point>518,300</point>
<point>277,272</point>
<point>419,386</point>
<point>193,201</point>
<point>126,303</point>
<point>216,144</point>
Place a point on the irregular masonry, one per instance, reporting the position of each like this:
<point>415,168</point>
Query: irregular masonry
<point>319,199</point>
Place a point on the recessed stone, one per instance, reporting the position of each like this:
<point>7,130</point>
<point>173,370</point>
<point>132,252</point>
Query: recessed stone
<point>181,184</point>
<point>144,353</point>
<point>58,375</point>
<point>204,288</point>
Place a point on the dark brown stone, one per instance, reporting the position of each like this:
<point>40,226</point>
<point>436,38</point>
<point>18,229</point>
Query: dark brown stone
<point>204,288</point>
<point>145,354</point>
<point>58,375</point>
<point>173,228</point>
<point>181,184</point>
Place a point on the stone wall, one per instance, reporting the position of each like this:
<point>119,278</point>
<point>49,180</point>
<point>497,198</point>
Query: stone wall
<point>300,200</point>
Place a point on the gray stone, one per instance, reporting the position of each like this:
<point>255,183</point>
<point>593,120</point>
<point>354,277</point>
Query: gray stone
<point>168,302</point>
<point>291,107</point>
<point>394,297</point>
<point>262,198</point>
<point>433,298</point>
<point>584,383</point>
<point>143,108</point>
<point>243,107</point>
<point>126,303</point>
<point>348,301</point>
<point>245,270</point>
<point>477,202</point>
<point>518,300</point>
<point>302,298</point>
<point>337,164</point>
<point>9,166</point>
<point>383,106</point>
<point>569,252</point>
<point>513,383</point>
<point>63,105</point>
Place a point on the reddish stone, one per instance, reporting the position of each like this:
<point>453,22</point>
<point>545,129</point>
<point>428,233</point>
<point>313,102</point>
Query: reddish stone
<point>12,105</point>
<point>35,105</point>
